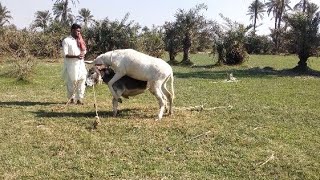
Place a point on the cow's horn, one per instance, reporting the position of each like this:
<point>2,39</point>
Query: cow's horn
<point>88,62</point>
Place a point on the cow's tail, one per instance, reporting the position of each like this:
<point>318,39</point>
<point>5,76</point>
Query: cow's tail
<point>172,88</point>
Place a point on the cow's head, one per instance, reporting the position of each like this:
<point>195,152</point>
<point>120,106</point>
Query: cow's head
<point>99,73</point>
<point>93,76</point>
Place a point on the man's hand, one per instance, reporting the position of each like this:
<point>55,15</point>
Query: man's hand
<point>81,56</point>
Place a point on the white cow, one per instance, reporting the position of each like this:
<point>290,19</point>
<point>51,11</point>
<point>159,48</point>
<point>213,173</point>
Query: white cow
<point>141,67</point>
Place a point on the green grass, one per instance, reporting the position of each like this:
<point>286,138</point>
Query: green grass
<point>265,126</point>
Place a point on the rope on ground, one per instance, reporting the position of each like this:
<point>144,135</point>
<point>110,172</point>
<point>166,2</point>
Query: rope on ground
<point>269,159</point>
<point>97,121</point>
<point>75,85</point>
<point>202,108</point>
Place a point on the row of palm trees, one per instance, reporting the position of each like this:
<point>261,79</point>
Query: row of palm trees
<point>61,11</point>
<point>279,10</point>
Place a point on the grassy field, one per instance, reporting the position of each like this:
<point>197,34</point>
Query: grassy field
<point>264,126</point>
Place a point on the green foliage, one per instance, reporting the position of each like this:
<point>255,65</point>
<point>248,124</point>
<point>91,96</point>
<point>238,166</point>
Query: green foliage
<point>256,11</point>
<point>43,18</point>
<point>16,45</point>
<point>151,41</point>
<point>85,17</point>
<point>172,40</point>
<point>229,43</point>
<point>189,23</point>
<point>46,45</point>
<point>109,35</point>
<point>256,44</point>
<point>303,34</point>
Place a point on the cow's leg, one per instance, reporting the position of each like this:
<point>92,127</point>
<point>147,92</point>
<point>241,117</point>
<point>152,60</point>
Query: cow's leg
<point>168,96</point>
<point>115,106</point>
<point>155,89</point>
<point>115,101</point>
<point>115,78</point>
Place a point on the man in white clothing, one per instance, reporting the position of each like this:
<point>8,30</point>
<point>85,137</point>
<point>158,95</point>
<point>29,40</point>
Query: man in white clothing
<point>74,70</point>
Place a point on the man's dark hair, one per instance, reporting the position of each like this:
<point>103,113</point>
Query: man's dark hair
<point>75,26</point>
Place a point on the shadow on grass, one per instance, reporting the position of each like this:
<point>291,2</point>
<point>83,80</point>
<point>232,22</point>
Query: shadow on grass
<point>266,72</point>
<point>26,103</point>
<point>122,113</point>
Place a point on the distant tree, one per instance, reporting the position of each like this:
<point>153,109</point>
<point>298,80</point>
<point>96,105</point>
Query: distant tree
<point>4,15</point>
<point>302,5</point>
<point>256,10</point>
<point>63,5</point>
<point>303,34</point>
<point>230,42</point>
<point>256,44</point>
<point>85,17</point>
<point>109,35</point>
<point>189,22</point>
<point>172,41</point>
<point>151,41</point>
<point>42,20</point>
<point>278,8</point>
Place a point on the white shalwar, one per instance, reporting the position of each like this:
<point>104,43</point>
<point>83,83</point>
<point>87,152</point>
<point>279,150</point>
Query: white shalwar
<point>74,70</point>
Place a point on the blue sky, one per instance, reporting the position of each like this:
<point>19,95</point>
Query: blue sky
<point>144,12</point>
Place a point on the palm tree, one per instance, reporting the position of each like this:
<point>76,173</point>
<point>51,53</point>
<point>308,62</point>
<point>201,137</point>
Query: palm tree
<point>64,6</point>
<point>303,34</point>
<point>4,15</point>
<point>278,9</point>
<point>42,19</point>
<point>256,10</point>
<point>85,17</point>
<point>302,5</point>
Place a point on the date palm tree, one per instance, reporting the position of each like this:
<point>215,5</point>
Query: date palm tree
<point>85,17</point>
<point>42,20</point>
<point>303,34</point>
<point>302,5</point>
<point>256,10</point>
<point>4,15</point>
<point>278,8</point>
<point>65,10</point>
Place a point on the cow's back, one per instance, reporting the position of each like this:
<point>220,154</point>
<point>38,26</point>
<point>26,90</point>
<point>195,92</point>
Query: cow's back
<point>140,66</point>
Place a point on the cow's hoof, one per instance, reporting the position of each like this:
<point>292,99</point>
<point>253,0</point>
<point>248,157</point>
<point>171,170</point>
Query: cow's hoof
<point>120,100</point>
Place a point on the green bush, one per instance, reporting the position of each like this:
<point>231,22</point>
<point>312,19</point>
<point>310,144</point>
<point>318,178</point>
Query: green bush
<point>16,46</point>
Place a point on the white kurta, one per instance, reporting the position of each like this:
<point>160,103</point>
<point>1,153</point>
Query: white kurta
<point>74,70</point>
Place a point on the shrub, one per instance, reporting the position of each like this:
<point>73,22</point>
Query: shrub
<point>16,45</point>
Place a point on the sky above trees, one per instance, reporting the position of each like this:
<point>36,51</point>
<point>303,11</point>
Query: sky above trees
<point>144,12</point>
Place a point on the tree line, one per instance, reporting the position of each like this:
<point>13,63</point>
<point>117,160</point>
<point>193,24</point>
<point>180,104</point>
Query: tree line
<point>295,31</point>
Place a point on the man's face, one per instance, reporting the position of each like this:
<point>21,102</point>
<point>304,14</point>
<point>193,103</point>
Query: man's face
<point>75,32</point>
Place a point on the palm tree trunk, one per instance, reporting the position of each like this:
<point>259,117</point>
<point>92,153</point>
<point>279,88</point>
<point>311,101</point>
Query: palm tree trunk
<point>255,17</point>
<point>304,6</point>
<point>65,12</point>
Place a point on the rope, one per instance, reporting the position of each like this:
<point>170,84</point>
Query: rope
<point>75,87</point>
<point>97,121</point>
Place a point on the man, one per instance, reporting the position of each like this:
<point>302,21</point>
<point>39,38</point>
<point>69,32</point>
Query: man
<point>74,70</point>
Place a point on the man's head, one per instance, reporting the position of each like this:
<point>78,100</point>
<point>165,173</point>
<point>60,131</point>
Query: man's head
<point>75,30</point>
